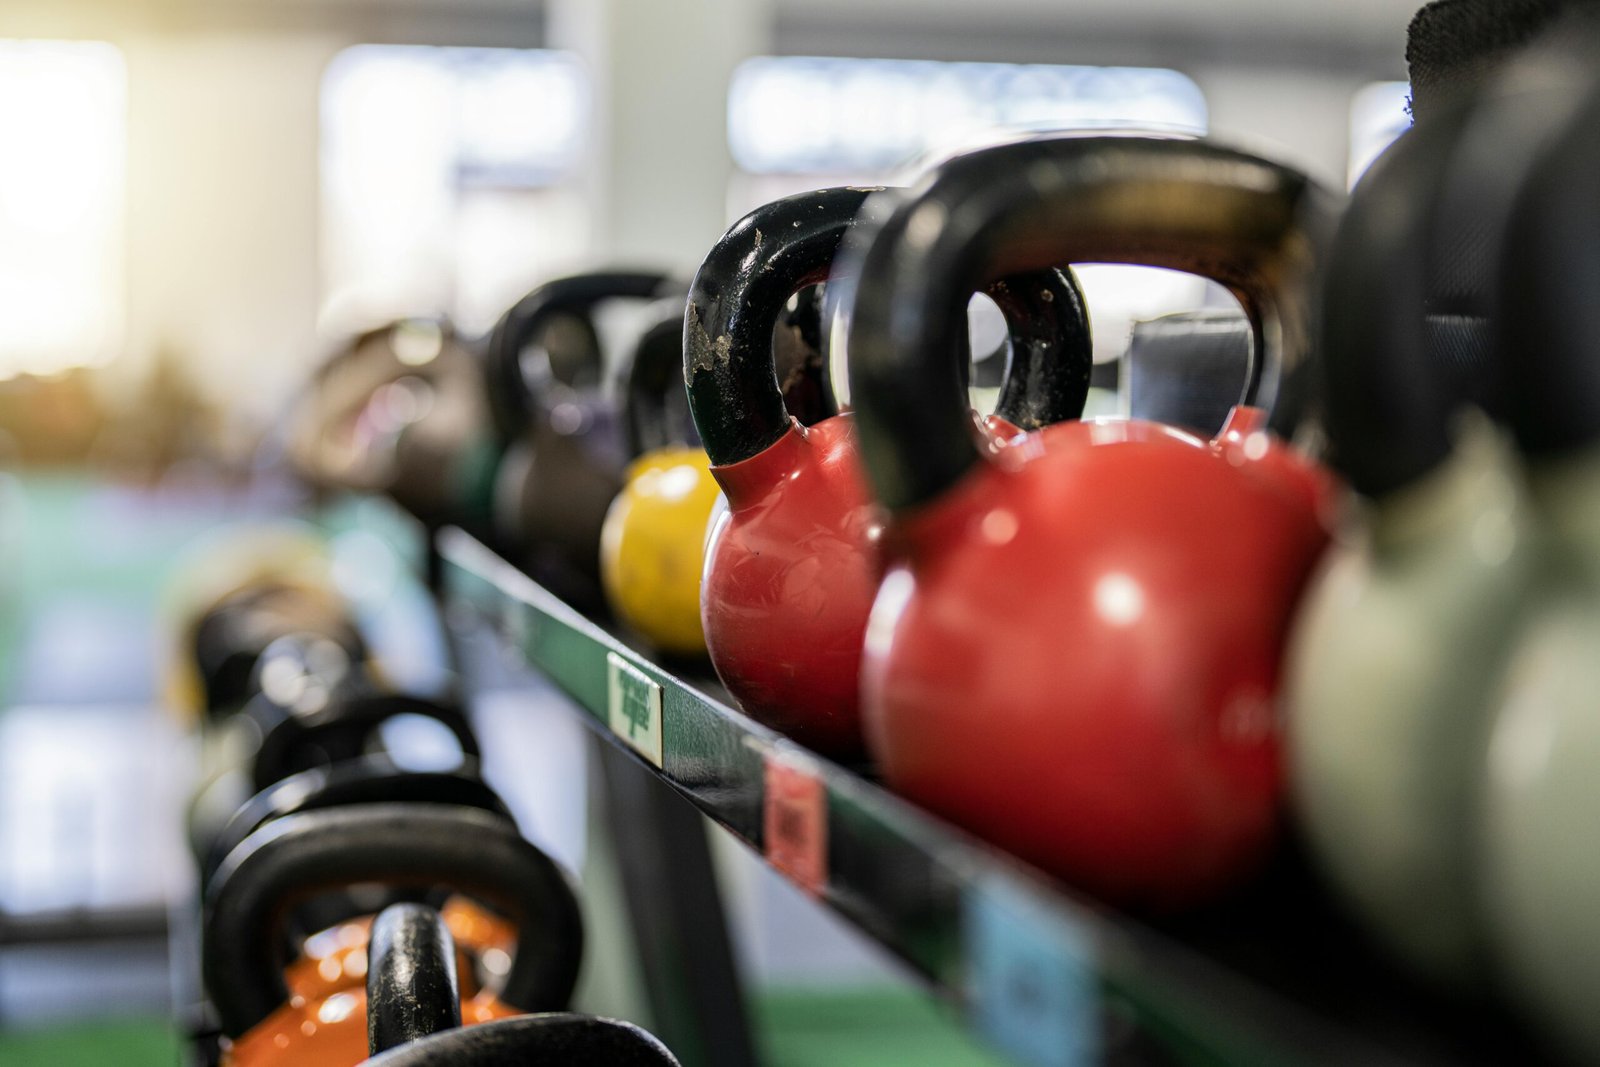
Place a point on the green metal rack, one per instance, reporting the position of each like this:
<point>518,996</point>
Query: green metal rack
<point>1047,978</point>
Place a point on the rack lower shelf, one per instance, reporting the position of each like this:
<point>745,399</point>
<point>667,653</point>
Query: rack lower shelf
<point>1050,980</point>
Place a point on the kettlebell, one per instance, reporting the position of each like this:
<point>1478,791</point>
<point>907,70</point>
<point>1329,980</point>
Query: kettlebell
<point>417,845</point>
<point>1184,369</point>
<point>312,708</point>
<point>652,546</point>
<point>1407,617</point>
<point>364,984</point>
<point>791,565</point>
<point>412,988</point>
<point>1540,796</point>
<point>369,779</point>
<point>412,995</point>
<point>653,543</point>
<point>233,596</point>
<point>553,1040</point>
<point>565,453</point>
<point>401,410</point>
<point>1395,651</point>
<point>1075,652</point>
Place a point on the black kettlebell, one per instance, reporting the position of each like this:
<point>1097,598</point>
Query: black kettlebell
<point>312,708</point>
<point>402,410</point>
<point>227,642</point>
<point>565,450</point>
<point>655,408</point>
<point>400,845</point>
<point>412,988</point>
<point>554,1040</point>
<point>1185,369</point>
<point>373,779</point>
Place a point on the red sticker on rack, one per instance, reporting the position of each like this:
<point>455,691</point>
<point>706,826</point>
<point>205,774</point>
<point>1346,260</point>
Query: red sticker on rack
<point>795,821</point>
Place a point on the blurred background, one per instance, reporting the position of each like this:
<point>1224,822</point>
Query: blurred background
<point>199,198</point>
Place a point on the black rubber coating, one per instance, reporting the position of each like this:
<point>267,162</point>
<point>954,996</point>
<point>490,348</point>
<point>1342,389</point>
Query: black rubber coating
<point>1387,405</point>
<point>342,730</point>
<point>1454,46</point>
<point>738,293</point>
<point>654,372</point>
<point>1257,227</point>
<point>229,640</point>
<point>535,1041</point>
<point>1549,276</point>
<point>412,989</point>
<point>1521,108</point>
<point>511,400</point>
<point>373,779</point>
<point>399,845</point>
<point>1050,353</point>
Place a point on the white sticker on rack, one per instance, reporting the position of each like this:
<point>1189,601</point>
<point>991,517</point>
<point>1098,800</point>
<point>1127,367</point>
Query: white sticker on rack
<point>1032,983</point>
<point>634,712</point>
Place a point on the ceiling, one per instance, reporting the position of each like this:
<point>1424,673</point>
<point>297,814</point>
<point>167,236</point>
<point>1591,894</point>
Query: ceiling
<point>1364,36</point>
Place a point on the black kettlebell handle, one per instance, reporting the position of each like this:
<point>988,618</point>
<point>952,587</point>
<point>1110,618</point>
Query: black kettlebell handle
<point>227,643</point>
<point>286,736</point>
<point>401,845</point>
<point>652,374</point>
<point>738,293</point>
<point>553,1040</point>
<point>511,398</point>
<point>373,779</point>
<point>1387,404</point>
<point>1547,340</point>
<point>1050,354</point>
<point>791,243</point>
<point>1257,227</point>
<point>412,987</point>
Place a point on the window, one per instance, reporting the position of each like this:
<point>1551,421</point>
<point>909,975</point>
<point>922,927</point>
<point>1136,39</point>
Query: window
<point>1379,113</point>
<point>445,178</point>
<point>803,115</point>
<point>63,132</point>
<point>799,122</point>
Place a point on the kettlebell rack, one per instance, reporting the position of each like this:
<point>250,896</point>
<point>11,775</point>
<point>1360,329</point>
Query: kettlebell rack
<point>1045,978</point>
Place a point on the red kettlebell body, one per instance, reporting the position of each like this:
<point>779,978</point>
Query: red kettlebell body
<point>792,565</point>
<point>799,538</point>
<point>1149,699</point>
<point>795,542</point>
<point>1076,649</point>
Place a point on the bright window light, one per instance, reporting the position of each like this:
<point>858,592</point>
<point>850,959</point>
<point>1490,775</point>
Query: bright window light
<point>806,115</point>
<point>63,145</point>
<point>443,179</point>
<point>800,122</point>
<point>1379,113</point>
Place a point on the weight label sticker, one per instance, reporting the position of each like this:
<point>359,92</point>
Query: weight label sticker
<point>1032,985</point>
<point>635,707</point>
<point>795,821</point>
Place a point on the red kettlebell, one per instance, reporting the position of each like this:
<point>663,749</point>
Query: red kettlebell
<point>791,565</point>
<point>1076,651</point>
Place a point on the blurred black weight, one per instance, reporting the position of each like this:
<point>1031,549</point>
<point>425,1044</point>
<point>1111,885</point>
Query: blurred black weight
<point>1188,369</point>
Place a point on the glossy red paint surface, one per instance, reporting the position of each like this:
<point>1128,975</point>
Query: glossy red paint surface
<point>790,575</point>
<point>1077,655</point>
<point>792,567</point>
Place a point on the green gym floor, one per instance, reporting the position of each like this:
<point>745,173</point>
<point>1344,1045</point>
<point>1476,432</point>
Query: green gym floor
<point>869,1028</point>
<point>85,568</point>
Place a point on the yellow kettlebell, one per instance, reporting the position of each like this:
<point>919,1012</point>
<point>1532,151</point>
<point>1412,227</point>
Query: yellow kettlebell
<point>652,547</point>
